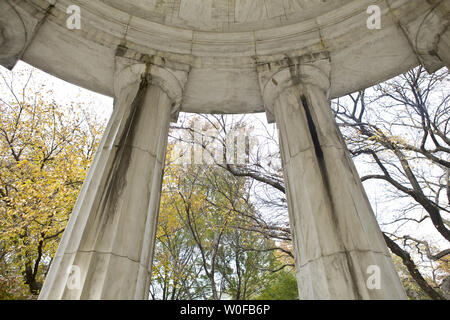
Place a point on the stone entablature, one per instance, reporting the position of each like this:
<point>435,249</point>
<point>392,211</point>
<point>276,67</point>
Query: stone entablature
<point>428,34</point>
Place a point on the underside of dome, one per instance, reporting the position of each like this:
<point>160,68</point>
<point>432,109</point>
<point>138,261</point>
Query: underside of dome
<point>226,15</point>
<point>222,42</point>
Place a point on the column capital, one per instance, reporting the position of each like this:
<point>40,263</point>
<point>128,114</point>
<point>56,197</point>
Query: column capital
<point>170,77</point>
<point>426,34</point>
<point>277,76</point>
<point>336,237</point>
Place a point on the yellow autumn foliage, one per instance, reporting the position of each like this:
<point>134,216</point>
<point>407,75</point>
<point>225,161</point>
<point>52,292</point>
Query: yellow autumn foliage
<point>45,152</point>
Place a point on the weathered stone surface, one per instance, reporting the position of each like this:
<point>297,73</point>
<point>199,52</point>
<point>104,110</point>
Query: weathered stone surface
<point>443,41</point>
<point>16,33</point>
<point>110,235</point>
<point>228,35</point>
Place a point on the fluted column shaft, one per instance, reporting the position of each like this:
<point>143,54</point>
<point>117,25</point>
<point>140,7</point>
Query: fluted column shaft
<point>430,36</point>
<point>110,237</point>
<point>337,241</point>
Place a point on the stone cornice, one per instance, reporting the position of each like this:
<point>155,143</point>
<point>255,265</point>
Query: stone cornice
<point>425,32</point>
<point>108,26</point>
<point>360,57</point>
<point>18,32</point>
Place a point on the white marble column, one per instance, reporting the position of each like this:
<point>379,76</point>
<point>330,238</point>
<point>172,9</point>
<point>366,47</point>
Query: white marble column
<point>441,13</point>
<point>106,251</point>
<point>337,241</point>
<point>13,35</point>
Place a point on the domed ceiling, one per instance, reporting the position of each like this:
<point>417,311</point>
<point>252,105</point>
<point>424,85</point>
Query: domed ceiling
<point>226,15</point>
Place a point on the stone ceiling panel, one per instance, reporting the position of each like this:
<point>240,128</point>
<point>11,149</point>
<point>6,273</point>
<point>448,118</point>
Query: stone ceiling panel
<point>225,15</point>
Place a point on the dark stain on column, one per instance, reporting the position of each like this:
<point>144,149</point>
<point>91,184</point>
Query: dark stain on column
<point>117,181</point>
<point>313,131</point>
<point>326,181</point>
<point>34,32</point>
